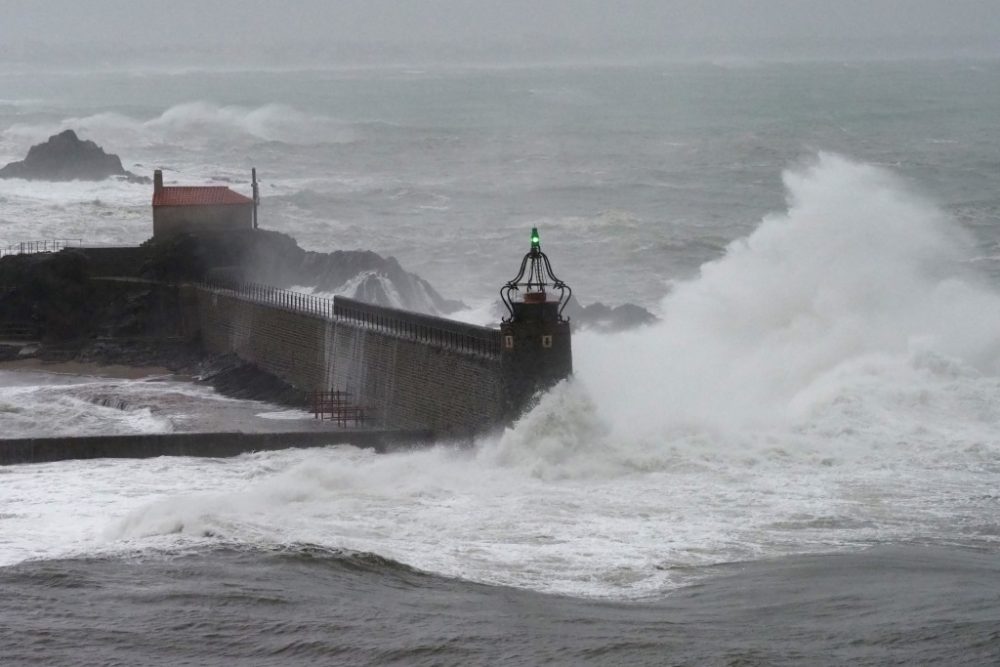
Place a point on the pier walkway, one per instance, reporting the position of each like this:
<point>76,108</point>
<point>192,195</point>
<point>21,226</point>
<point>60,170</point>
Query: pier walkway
<point>141,446</point>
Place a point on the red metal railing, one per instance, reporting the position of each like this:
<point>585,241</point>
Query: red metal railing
<point>336,406</point>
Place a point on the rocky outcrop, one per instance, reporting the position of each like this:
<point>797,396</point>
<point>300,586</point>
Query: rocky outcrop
<point>606,318</point>
<point>369,277</point>
<point>276,259</point>
<point>233,377</point>
<point>598,316</point>
<point>48,293</point>
<point>66,157</point>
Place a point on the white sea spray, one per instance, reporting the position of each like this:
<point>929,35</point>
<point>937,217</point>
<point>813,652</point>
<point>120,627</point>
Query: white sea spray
<point>829,383</point>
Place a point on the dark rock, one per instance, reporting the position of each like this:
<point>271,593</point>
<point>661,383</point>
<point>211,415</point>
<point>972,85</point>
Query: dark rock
<point>374,279</point>
<point>49,293</point>
<point>598,316</point>
<point>231,376</point>
<point>275,259</point>
<point>65,157</point>
<point>227,374</point>
<point>54,297</point>
<point>605,318</point>
<point>179,357</point>
<point>10,352</point>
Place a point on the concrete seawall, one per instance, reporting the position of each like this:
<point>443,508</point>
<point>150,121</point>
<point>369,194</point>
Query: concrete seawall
<point>405,376</point>
<point>408,371</point>
<point>43,450</point>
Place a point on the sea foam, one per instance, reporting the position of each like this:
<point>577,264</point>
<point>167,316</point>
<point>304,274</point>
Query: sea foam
<point>858,273</point>
<point>829,383</point>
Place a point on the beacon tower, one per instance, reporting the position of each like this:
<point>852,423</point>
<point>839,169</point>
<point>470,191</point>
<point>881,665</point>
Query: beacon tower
<point>535,338</point>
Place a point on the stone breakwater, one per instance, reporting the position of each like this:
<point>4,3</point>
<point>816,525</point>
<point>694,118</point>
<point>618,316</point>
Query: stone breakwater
<point>404,370</point>
<point>408,371</point>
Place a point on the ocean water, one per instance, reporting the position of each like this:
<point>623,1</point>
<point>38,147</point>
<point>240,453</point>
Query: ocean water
<point>797,465</point>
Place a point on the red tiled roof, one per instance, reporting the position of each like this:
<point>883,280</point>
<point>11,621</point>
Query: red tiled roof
<point>203,195</point>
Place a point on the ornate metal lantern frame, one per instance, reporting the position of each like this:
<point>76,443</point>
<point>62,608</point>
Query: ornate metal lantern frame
<point>539,273</point>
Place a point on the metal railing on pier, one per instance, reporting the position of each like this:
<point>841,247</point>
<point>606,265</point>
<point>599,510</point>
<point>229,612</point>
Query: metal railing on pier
<point>284,299</point>
<point>424,328</point>
<point>438,331</point>
<point>34,247</point>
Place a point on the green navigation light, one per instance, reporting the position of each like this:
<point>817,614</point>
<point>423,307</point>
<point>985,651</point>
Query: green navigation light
<point>535,245</point>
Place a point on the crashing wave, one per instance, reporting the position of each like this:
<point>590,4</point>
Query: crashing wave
<point>198,121</point>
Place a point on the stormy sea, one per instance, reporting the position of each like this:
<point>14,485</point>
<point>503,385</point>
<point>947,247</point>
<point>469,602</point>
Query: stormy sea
<point>798,463</point>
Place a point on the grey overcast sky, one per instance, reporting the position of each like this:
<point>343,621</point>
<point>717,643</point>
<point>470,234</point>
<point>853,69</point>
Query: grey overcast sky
<point>481,30</point>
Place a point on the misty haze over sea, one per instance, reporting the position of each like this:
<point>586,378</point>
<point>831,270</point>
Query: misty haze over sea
<point>797,465</point>
<point>111,34</point>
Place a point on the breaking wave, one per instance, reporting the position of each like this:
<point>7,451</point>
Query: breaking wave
<point>194,123</point>
<point>374,286</point>
<point>859,283</point>
<point>830,383</point>
<point>74,409</point>
<point>848,328</point>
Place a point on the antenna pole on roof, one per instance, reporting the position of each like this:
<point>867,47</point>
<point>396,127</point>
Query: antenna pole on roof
<point>256,195</point>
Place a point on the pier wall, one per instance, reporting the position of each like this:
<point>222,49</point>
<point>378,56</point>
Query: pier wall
<point>409,371</point>
<point>148,445</point>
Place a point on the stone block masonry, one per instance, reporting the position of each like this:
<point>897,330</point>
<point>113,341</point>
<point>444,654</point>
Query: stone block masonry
<point>409,371</point>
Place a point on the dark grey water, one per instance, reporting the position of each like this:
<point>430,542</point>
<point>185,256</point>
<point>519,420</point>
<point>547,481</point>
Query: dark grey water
<point>905,605</point>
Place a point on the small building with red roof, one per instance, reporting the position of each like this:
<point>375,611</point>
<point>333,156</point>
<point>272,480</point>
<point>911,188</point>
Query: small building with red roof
<point>198,209</point>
